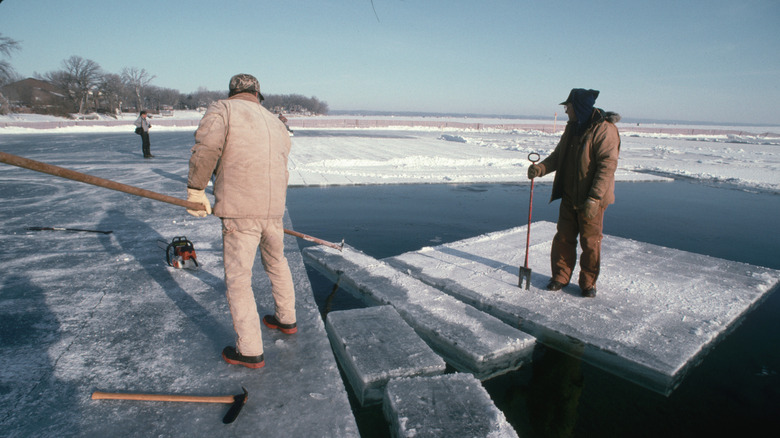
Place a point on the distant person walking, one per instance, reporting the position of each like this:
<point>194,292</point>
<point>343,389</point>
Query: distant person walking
<point>284,120</point>
<point>142,128</point>
<point>584,163</point>
<point>250,190</point>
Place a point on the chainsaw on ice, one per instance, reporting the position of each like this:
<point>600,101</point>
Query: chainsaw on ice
<point>180,253</point>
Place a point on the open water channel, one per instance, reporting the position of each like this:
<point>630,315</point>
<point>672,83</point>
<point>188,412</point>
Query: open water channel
<point>735,391</point>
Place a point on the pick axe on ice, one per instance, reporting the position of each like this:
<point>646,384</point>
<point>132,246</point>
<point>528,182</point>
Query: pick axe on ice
<point>62,172</point>
<point>525,271</point>
<point>236,401</point>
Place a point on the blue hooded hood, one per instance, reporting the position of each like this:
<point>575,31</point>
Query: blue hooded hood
<point>582,101</point>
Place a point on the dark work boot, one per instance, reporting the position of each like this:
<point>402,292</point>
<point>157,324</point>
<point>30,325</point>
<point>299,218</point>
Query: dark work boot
<point>233,357</point>
<point>589,292</point>
<point>555,285</point>
<point>271,322</point>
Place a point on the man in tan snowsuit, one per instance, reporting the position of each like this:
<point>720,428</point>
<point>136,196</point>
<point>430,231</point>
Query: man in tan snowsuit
<point>246,147</point>
<point>584,163</point>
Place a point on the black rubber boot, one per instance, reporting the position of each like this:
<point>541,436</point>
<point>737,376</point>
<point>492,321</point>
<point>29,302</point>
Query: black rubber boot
<point>233,357</point>
<point>271,322</point>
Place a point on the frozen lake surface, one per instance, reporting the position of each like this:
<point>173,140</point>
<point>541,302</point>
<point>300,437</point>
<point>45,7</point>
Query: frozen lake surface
<point>736,389</point>
<point>83,312</point>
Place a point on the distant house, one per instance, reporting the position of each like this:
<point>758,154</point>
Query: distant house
<point>34,95</point>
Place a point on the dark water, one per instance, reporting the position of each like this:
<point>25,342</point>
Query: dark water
<point>734,391</point>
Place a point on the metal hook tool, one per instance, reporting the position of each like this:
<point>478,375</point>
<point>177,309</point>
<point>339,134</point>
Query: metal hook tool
<point>525,271</point>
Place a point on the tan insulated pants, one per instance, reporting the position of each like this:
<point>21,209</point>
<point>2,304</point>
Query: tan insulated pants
<point>563,256</point>
<point>240,239</point>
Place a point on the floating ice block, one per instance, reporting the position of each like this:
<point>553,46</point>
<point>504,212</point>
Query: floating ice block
<point>375,345</point>
<point>657,313</point>
<point>452,405</point>
<point>468,339</point>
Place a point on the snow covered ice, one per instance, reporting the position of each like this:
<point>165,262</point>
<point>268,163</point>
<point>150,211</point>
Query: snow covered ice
<point>744,156</point>
<point>658,312</point>
<point>428,150</point>
<point>468,339</point>
<point>83,312</point>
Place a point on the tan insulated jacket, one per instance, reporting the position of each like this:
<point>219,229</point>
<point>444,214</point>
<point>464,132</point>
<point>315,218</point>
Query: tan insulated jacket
<point>246,147</point>
<point>596,161</point>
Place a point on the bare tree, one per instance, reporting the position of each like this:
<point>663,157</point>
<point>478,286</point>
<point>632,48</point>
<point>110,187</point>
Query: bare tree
<point>79,78</point>
<point>158,97</point>
<point>202,98</point>
<point>59,78</point>
<point>7,45</point>
<point>137,80</point>
<point>295,103</point>
<point>111,91</point>
<point>86,86</point>
<point>7,73</point>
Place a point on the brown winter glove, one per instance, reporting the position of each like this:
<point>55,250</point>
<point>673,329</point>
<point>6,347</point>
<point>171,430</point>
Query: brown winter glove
<point>198,197</point>
<point>591,208</point>
<point>534,171</point>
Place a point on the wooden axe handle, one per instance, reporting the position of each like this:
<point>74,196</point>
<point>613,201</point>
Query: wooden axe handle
<point>98,395</point>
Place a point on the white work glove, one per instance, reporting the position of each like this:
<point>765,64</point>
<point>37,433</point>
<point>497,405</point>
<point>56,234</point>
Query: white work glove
<point>199,197</point>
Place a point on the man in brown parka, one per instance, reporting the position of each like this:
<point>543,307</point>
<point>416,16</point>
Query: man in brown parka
<point>246,147</point>
<point>584,163</point>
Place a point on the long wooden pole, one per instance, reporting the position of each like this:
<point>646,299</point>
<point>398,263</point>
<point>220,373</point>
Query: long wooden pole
<point>62,172</point>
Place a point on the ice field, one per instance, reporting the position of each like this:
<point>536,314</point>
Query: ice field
<point>89,311</point>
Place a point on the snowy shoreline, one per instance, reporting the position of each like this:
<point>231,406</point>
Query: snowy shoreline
<point>38,123</point>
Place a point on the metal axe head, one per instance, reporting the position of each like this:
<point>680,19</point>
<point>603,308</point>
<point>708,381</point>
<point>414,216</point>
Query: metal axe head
<point>235,408</point>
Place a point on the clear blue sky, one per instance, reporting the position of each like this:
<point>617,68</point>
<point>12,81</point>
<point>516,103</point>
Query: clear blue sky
<point>708,60</point>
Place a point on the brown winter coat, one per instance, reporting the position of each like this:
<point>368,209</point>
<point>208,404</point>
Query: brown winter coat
<point>596,161</point>
<point>246,147</point>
